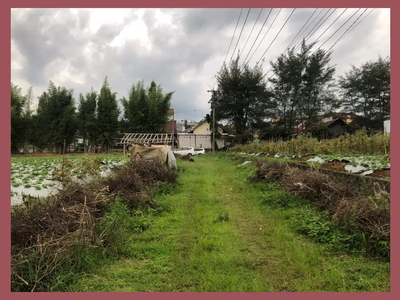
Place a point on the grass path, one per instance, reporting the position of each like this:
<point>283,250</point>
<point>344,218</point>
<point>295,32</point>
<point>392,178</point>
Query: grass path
<point>216,235</point>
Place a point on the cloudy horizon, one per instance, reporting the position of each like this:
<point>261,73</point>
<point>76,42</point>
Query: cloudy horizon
<point>181,49</point>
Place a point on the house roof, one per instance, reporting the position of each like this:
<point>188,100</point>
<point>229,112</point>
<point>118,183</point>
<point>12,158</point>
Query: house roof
<point>198,124</point>
<point>329,123</point>
<point>342,115</point>
<point>226,129</point>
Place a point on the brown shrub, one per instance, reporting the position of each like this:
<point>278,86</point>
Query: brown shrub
<point>46,231</point>
<point>346,205</point>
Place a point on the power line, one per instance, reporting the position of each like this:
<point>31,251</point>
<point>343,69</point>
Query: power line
<point>302,28</point>
<point>316,17</point>
<point>361,20</point>
<point>310,35</point>
<point>338,29</point>
<point>240,33</point>
<point>255,23</point>
<point>233,34</point>
<point>258,35</point>
<point>265,34</point>
<point>348,29</point>
<point>330,25</point>
<point>307,38</point>
<point>321,33</point>
<point>312,31</point>
<point>277,35</point>
<point>352,26</point>
<point>231,40</point>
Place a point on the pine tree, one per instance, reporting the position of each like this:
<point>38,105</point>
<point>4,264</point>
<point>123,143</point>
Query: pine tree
<point>146,110</point>
<point>56,121</point>
<point>87,117</point>
<point>107,116</point>
<point>17,117</point>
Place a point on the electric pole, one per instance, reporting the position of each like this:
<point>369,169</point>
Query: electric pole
<point>213,113</point>
<point>173,131</point>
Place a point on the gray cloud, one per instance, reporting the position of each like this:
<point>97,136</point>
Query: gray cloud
<point>49,43</point>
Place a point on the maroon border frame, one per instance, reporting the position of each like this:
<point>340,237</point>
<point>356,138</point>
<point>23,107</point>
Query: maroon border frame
<point>5,156</point>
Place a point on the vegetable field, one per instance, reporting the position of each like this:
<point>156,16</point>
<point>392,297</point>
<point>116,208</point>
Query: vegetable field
<point>42,176</point>
<point>358,154</point>
<point>360,144</point>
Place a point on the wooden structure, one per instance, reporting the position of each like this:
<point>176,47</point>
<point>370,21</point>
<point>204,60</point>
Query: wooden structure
<point>146,138</point>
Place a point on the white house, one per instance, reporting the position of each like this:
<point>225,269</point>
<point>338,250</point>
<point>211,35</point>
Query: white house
<point>200,137</point>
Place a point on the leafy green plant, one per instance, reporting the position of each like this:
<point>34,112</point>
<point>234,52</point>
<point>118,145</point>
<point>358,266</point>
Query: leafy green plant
<point>117,226</point>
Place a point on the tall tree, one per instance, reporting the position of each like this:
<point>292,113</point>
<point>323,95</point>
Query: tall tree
<point>17,117</point>
<point>302,87</point>
<point>56,118</point>
<point>366,90</point>
<point>241,96</point>
<point>28,102</point>
<point>107,116</point>
<point>146,110</point>
<point>317,85</point>
<point>286,86</point>
<point>29,118</point>
<point>87,117</point>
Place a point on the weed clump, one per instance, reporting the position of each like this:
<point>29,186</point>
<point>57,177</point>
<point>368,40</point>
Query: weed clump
<point>346,206</point>
<point>46,233</point>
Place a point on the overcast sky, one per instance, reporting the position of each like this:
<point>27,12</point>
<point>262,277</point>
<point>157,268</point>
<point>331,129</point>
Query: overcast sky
<point>181,49</point>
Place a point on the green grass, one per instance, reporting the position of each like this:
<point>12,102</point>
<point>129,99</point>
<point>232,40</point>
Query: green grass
<point>217,232</point>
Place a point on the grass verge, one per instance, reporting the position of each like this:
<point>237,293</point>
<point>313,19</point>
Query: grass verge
<point>217,231</point>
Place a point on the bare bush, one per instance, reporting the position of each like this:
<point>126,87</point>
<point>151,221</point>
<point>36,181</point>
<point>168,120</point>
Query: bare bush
<point>346,205</point>
<point>44,232</point>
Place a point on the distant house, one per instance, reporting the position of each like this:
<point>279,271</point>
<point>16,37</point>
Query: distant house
<point>203,127</point>
<point>329,129</point>
<point>347,117</point>
<point>336,127</point>
<point>226,129</point>
<point>200,136</point>
<point>185,125</point>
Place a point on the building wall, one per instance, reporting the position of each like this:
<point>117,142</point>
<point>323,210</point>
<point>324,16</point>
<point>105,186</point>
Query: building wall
<point>194,140</point>
<point>220,143</point>
<point>386,127</point>
<point>336,129</point>
<point>205,129</point>
<point>170,126</point>
<point>198,141</point>
<point>202,129</point>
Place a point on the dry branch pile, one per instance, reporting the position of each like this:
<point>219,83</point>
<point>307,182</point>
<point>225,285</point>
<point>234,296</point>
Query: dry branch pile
<point>44,233</point>
<point>346,205</point>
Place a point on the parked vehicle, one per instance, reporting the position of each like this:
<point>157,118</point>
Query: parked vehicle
<point>199,151</point>
<point>185,151</point>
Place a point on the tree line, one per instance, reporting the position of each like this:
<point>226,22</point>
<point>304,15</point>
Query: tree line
<point>96,117</point>
<point>302,89</point>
